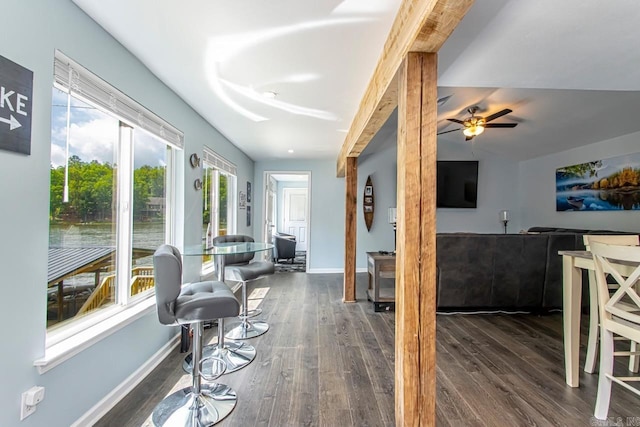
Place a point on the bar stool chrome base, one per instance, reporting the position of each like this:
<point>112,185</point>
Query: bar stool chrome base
<point>251,313</point>
<point>247,329</point>
<point>187,408</point>
<point>236,355</point>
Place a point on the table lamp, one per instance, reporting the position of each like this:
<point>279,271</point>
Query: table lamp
<point>504,217</point>
<point>392,220</point>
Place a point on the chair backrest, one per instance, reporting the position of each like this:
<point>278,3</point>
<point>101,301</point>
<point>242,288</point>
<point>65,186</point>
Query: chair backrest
<point>622,263</point>
<point>239,258</point>
<point>612,239</point>
<point>167,271</point>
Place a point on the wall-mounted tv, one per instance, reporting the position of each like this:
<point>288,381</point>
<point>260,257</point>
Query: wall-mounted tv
<point>457,184</point>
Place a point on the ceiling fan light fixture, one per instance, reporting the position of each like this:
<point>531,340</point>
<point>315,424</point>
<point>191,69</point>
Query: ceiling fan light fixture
<point>473,130</point>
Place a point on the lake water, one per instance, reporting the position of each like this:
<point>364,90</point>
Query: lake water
<point>146,235</point>
<point>599,200</point>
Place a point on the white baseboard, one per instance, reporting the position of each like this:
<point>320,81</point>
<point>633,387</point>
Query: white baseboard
<point>94,414</point>
<point>332,270</point>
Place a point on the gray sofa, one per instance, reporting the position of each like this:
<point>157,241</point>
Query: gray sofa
<point>505,271</point>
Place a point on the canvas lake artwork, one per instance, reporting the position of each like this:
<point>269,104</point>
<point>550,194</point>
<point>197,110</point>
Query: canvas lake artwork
<point>600,185</point>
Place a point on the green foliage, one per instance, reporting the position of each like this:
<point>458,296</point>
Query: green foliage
<point>206,192</point>
<point>581,170</point>
<point>92,186</point>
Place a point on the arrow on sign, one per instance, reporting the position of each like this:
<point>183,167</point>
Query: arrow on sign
<point>11,121</point>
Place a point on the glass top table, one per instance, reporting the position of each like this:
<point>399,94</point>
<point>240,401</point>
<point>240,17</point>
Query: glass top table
<point>228,248</point>
<point>236,354</point>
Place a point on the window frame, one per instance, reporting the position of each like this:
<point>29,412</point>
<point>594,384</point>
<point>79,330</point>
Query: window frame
<point>64,341</point>
<point>218,165</point>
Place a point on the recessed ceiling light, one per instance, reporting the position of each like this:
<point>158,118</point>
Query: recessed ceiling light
<point>289,150</point>
<point>270,94</point>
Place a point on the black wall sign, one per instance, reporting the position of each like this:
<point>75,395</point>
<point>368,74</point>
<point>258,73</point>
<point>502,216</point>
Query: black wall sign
<point>16,89</point>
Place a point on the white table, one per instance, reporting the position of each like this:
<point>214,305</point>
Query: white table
<point>573,262</point>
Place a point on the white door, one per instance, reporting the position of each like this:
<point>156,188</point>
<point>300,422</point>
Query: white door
<point>295,215</point>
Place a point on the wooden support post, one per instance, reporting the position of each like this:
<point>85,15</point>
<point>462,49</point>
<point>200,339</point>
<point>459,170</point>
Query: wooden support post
<point>415,377</point>
<point>351,183</point>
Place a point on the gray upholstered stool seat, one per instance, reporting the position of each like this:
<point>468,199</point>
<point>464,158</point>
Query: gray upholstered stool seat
<point>205,301</point>
<point>196,303</point>
<point>250,271</point>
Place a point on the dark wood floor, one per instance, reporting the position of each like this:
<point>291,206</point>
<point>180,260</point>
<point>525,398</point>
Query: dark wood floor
<point>325,363</point>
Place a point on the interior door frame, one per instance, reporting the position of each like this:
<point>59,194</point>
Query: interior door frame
<point>266,178</point>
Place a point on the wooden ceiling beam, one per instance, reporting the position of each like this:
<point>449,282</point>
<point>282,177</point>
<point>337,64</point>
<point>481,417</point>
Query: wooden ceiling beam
<point>420,26</point>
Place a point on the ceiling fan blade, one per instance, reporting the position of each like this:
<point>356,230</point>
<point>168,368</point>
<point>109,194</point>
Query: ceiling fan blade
<point>456,121</point>
<point>498,114</point>
<point>443,100</point>
<point>501,125</point>
<point>447,131</point>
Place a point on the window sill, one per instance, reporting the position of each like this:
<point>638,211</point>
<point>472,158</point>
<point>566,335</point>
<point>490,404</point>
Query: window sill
<point>65,349</point>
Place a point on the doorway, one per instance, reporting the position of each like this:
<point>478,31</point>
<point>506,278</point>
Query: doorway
<point>287,208</point>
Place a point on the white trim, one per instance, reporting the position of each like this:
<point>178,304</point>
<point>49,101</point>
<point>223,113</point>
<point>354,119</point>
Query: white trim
<point>218,162</point>
<point>71,77</point>
<point>69,347</point>
<point>333,270</point>
<point>107,403</point>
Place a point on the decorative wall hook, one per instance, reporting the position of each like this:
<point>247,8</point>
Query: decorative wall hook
<point>197,184</point>
<point>194,160</point>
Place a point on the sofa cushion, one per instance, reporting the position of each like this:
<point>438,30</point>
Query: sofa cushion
<point>519,270</point>
<point>465,269</point>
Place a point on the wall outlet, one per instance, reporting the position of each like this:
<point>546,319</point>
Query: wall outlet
<point>30,399</point>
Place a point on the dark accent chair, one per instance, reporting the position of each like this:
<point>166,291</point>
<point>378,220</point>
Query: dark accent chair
<point>284,247</point>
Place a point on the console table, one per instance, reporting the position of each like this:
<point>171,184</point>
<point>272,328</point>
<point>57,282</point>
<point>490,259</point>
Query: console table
<point>381,267</point>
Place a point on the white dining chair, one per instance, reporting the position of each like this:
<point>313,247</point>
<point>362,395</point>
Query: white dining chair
<point>592,342</point>
<point>619,314</point>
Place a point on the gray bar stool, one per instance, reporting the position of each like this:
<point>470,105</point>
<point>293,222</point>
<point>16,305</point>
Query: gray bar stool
<point>240,268</point>
<point>201,404</point>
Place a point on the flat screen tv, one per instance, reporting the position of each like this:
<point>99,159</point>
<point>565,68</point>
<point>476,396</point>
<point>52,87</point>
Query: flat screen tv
<point>457,184</point>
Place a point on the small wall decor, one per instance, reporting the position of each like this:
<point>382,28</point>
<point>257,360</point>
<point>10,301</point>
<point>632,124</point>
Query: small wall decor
<point>194,160</point>
<point>197,184</point>
<point>602,185</point>
<point>242,200</point>
<point>15,107</point>
<point>368,203</point>
<point>248,192</point>
<point>248,216</point>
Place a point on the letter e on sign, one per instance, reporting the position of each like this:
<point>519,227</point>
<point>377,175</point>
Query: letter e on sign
<point>16,90</point>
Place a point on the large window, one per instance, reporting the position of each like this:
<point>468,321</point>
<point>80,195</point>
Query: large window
<point>219,186</point>
<point>109,210</point>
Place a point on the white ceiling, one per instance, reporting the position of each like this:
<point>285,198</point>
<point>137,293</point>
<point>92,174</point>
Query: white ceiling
<point>569,69</point>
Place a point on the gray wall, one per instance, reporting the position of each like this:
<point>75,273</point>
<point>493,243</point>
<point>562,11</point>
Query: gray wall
<point>31,32</point>
<point>326,249</point>
<point>538,188</point>
<point>497,190</point>
<point>381,167</point>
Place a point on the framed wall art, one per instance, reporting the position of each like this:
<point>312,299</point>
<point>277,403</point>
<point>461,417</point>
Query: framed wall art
<point>602,185</point>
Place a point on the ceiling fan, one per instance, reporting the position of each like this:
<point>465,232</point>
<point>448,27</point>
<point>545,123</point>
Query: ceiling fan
<point>475,125</point>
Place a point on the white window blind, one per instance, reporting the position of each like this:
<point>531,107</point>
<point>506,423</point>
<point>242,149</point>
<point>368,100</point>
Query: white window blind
<point>219,162</point>
<point>71,77</point>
